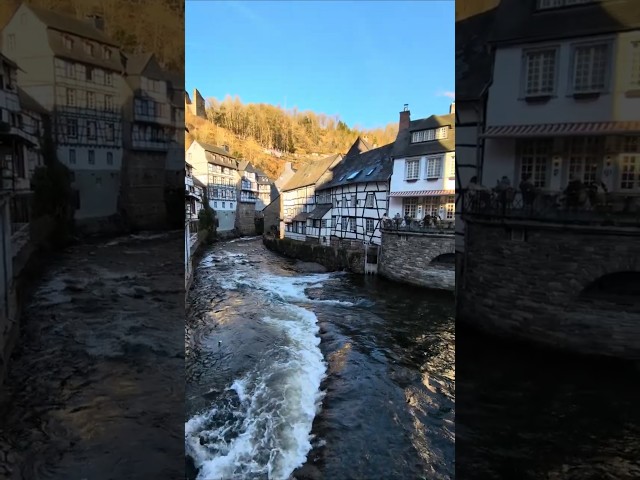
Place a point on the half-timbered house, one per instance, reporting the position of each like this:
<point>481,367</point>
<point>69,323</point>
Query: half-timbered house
<point>352,202</point>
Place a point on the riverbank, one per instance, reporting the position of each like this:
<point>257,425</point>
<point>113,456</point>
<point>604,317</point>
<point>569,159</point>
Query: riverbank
<point>90,392</point>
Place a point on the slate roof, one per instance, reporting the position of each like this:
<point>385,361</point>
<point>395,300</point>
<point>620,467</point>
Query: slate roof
<point>198,183</point>
<point>474,61</point>
<point>213,154</point>
<point>217,150</point>
<point>404,148</point>
<point>379,160</point>
<point>70,24</point>
<point>320,211</point>
<point>28,103</point>
<point>301,217</point>
<point>518,21</point>
<point>310,173</point>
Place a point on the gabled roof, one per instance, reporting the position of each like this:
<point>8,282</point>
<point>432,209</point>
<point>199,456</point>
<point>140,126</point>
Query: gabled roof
<point>354,167</point>
<point>69,24</point>
<point>213,149</point>
<point>310,173</point>
<point>28,103</point>
<point>136,63</point>
<point>301,217</point>
<point>9,62</point>
<point>518,21</point>
<point>320,211</point>
<point>198,183</point>
<point>474,60</point>
<point>360,145</point>
<point>404,148</point>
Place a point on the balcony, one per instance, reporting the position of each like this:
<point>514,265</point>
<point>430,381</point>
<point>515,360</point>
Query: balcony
<point>582,207</point>
<point>446,227</point>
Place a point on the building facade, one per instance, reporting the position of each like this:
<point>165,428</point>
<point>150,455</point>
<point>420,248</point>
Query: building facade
<point>218,170</point>
<point>148,128</point>
<point>351,203</point>
<point>73,70</point>
<point>298,197</point>
<point>423,179</point>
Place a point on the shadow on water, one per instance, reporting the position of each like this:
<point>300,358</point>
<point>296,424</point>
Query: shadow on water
<point>534,413</point>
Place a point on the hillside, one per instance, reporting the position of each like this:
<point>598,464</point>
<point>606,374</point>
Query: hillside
<point>137,25</point>
<point>268,136</point>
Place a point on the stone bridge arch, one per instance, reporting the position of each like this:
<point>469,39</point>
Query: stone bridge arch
<point>441,248</point>
<point>602,268</point>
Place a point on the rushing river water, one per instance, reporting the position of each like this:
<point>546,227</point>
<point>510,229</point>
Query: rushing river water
<point>350,376</point>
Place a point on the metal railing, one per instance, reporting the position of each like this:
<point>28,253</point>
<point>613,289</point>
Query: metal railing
<point>441,227</point>
<point>579,207</point>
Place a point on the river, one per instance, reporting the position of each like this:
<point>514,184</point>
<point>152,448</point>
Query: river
<point>319,375</point>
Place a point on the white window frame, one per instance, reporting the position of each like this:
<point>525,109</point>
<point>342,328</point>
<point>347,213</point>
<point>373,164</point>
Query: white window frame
<point>577,50</point>
<point>353,225</point>
<point>433,167</point>
<point>629,177</point>
<point>452,167</point>
<point>411,172</point>
<point>535,89</point>
<point>370,227</point>
<point>409,206</point>
<point>369,200</point>
<point>71,97</point>
<point>442,133</point>
<point>535,163</point>
<point>450,210</point>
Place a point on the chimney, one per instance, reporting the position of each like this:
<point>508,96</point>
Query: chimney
<point>405,119</point>
<point>97,21</point>
<point>452,108</point>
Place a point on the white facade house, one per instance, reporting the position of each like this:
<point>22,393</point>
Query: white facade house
<point>218,170</point>
<point>573,111</point>
<point>73,70</point>
<point>195,194</point>
<point>298,196</point>
<point>353,200</point>
<point>423,179</point>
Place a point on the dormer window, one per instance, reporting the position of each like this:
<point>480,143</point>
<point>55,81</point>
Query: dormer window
<point>88,48</point>
<point>550,4</point>
<point>67,42</point>
<point>429,135</point>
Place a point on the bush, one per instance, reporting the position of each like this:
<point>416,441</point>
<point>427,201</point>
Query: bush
<point>207,220</point>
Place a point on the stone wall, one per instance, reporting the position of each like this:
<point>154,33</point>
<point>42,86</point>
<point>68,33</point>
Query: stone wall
<point>272,216</point>
<point>143,185</point>
<point>532,286</point>
<point>407,257</point>
<point>246,219</point>
<point>334,259</point>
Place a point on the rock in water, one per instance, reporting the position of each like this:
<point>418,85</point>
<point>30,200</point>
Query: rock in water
<point>309,267</point>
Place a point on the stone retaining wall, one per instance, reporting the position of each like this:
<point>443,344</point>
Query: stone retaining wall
<point>407,257</point>
<point>532,286</point>
<point>334,259</point>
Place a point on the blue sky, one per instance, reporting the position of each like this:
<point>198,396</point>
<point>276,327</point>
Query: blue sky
<point>361,60</point>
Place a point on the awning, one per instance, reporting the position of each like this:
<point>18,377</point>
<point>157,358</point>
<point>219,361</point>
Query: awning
<point>423,193</point>
<point>561,129</point>
<point>301,217</point>
<point>320,211</point>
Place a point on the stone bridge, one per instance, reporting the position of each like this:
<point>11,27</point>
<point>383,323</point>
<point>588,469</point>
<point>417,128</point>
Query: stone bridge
<point>544,282</point>
<point>418,258</point>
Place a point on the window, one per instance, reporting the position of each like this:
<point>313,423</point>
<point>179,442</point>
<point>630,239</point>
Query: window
<point>630,172</point>
<point>353,175</point>
<point>109,132</point>
<point>452,167</point>
<point>590,68</point>
<point>412,169</point>
<point>368,203</point>
<point>91,130</point>
<point>67,42</point>
<point>409,206</point>
<point>434,167</point>
<point>91,100</point>
<point>534,158</point>
<point>352,224</point>
<point>369,225</point>
<point>88,48</point>
<point>584,153</point>
<point>106,53</point>
<point>442,133</point>
<point>98,180</point>
<point>108,103</point>
<point>431,206</point>
<point>89,74</point>
<point>12,41</point>
<point>109,158</point>
<point>354,201</point>
<point>92,157</point>
<point>224,204</point>
<point>108,79</point>
<point>540,72</point>
<point>72,157</point>
<point>634,76</point>
<point>215,204</point>
<point>81,71</point>
<point>548,4</point>
<point>371,171</point>
<point>325,223</point>
<point>71,97</point>
<point>69,70</point>
<point>72,128</point>
<point>450,209</point>
<point>231,205</point>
